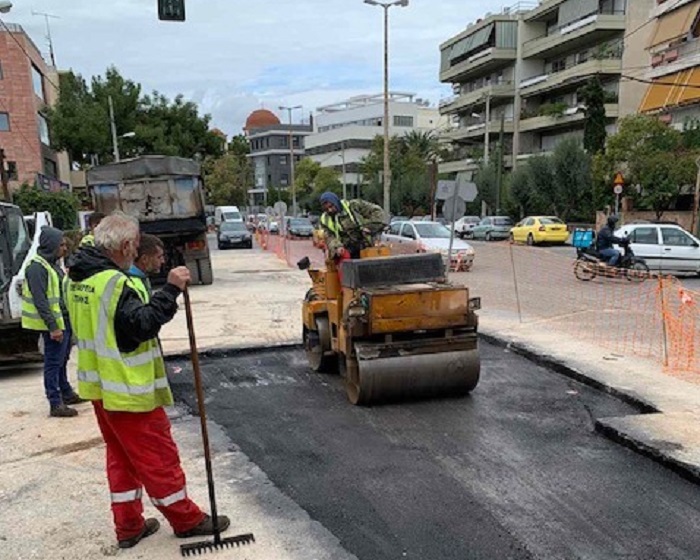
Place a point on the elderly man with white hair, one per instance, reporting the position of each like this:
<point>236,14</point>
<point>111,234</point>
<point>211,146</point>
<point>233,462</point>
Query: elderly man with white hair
<point>121,370</point>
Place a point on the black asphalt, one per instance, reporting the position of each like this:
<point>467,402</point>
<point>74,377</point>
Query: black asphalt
<point>514,471</point>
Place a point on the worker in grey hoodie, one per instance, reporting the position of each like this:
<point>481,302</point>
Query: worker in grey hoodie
<point>44,310</point>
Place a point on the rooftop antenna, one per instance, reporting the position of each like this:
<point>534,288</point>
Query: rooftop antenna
<point>48,33</point>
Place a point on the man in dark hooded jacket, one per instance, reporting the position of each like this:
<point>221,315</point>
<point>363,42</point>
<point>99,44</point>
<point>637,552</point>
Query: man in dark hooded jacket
<point>44,310</point>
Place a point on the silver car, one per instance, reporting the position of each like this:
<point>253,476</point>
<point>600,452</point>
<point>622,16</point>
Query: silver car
<point>429,237</point>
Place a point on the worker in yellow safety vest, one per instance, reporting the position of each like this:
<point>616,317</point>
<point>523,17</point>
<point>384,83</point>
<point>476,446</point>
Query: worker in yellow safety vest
<point>121,370</point>
<point>149,261</point>
<point>94,220</point>
<point>44,311</point>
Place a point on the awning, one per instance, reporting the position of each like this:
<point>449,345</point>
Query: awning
<point>673,90</point>
<point>474,41</point>
<point>675,24</point>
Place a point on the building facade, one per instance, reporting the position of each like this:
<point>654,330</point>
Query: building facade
<point>27,87</point>
<point>518,73</point>
<point>271,153</point>
<point>344,132</point>
<point>673,63</point>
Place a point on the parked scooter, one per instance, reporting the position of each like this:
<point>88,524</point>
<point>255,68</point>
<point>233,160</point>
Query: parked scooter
<point>590,263</point>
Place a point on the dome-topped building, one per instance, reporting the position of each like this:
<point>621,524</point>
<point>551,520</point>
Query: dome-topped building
<point>260,119</point>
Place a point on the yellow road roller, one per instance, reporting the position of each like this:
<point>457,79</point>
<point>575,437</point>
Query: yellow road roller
<point>392,326</point>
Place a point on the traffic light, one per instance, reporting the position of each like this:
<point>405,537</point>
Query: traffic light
<point>171,10</point>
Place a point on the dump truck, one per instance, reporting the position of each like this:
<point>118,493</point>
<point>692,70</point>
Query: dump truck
<point>166,195</point>
<point>393,326</point>
<point>18,244</point>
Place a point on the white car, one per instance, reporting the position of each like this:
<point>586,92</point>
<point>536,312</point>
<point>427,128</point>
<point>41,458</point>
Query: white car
<point>666,248</point>
<point>429,237</point>
<point>465,225</point>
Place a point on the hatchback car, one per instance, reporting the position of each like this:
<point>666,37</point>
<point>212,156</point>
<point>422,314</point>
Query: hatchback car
<point>299,227</point>
<point>234,234</point>
<point>429,237</point>
<point>540,229</point>
<point>666,248</point>
<point>465,225</point>
<point>492,228</point>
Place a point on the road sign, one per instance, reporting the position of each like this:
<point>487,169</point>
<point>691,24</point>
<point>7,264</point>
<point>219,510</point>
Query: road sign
<point>280,208</point>
<point>454,208</point>
<point>445,189</point>
<point>270,211</point>
<point>618,189</point>
<point>468,192</point>
<point>619,179</point>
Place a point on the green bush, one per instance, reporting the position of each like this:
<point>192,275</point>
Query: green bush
<point>63,206</point>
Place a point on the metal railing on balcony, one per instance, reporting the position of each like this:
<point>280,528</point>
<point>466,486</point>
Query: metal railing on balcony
<point>563,29</point>
<point>527,82</point>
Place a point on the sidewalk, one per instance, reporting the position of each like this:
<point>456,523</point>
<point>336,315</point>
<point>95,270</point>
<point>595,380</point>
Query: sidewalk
<point>53,493</point>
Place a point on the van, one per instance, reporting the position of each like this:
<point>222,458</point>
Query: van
<point>227,214</point>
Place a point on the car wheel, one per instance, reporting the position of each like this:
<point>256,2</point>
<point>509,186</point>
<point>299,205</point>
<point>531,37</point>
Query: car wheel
<point>511,238</point>
<point>530,240</point>
<point>488,236</point>
<point>220,246</point>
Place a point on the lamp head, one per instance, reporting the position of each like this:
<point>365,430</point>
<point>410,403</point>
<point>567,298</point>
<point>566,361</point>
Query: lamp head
<point>5,6</point>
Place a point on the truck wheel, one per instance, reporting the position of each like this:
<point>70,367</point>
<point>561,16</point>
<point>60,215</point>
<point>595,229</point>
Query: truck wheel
<point>206,274</point>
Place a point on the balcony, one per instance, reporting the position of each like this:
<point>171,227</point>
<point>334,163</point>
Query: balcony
<point>481,63</point>
<point>675,59</point>
<point>459,102</point>
<point>469,164</point>
<point>573,75</point>
<point>590,30</point>
<point>477,130</point>
<point>545,9</point>
<point>570,117</point>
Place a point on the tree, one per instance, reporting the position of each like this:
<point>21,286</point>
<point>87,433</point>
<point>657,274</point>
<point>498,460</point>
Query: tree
<point>594,132</point>
<point>63,205</point>
<point>311,181</point>
<point>571,167</point>
<point>228,177</point>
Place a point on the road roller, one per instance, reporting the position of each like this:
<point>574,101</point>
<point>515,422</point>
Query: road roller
<point>392,326</point>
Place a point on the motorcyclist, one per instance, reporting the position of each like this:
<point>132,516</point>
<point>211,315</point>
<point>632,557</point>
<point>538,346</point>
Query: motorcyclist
<point>606,239</point>
<point>342,218</point>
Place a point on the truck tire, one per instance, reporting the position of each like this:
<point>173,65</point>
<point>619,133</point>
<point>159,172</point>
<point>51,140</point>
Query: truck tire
<point>206,274</point>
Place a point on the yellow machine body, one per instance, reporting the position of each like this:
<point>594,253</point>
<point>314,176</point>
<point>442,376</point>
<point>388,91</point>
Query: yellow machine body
<point>392,341</point>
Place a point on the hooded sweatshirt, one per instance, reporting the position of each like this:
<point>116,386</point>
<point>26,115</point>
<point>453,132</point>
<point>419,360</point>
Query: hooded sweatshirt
<point>134,321</point>
<point>37,277</point>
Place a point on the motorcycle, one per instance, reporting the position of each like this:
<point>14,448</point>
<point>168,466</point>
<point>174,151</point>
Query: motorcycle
<point>590,264</point>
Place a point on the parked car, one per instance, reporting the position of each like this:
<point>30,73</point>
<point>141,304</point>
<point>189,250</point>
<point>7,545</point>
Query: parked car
<point>273,227</point>
<point>428,237</point>
<point>298,227</point>
<point>534,230</point>
<point>493,227</point>
<point>465,225</point>
<point>398,219</point>
<point>666,248</point>
<point>234,234</point>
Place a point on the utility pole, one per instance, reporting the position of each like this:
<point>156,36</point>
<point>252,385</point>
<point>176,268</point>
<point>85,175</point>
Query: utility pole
<point>3,178</point>
<point>48,34</point>
<point>113,124</point>
<point>345,183</point>
<point>499,169</point>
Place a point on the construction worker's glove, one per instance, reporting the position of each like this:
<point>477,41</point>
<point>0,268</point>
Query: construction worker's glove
<point>342,253</point>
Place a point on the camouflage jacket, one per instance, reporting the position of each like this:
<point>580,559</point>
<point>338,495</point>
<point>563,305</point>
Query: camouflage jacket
<point>364,212</point>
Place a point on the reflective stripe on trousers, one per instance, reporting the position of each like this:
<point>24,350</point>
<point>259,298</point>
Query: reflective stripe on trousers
<point>170,500</point>
<point>126,497</point>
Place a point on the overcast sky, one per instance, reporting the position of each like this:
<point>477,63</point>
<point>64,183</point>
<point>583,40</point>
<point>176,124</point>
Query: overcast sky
<point>234,56</point>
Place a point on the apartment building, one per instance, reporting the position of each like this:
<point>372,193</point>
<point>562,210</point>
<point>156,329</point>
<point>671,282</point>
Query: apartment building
<point>344,131</point>
<point>27,86</point>
<point>673,58</point>
<point>271,154</point>
<point>518,73</point>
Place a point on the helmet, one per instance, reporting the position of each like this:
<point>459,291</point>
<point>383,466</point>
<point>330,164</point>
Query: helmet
<point>612,221</point>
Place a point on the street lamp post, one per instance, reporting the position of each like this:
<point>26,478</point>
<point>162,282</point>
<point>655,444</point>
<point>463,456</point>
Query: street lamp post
<point>5,6</point>
<point>387,161</point>
<point>291,157</point>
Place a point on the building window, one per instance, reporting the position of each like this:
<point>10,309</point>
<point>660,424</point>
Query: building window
<point>403,121</point>
<point>284,179</point>
<point>43,129</point>
<point>283,160</point>
<point>38,81</point>
<point>50,168</point>
<point>12,173</point>
<point>559,65</point>
<point>4,122</point>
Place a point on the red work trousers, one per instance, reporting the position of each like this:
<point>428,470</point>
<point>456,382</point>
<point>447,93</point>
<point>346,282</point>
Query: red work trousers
<point>141,454</point>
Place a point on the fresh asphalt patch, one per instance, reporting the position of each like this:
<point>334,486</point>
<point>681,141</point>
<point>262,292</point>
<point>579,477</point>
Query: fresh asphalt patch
<point>514,471</point>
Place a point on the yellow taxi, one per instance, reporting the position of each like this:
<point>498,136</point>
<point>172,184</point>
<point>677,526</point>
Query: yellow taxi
<point>534,230</point>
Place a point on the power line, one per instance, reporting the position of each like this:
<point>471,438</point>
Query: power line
<point>658,83</point>
<point>650,20</point>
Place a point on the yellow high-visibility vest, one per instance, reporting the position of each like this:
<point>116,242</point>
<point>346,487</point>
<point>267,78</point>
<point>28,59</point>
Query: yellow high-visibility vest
<point>332,223</point>
<point>129,382</point>
<point>87,240</point>
<point>31,319</point>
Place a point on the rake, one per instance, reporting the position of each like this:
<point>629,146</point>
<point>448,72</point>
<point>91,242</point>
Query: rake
<point>218,543</point>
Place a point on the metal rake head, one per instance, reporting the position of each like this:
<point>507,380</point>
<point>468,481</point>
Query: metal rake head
<point>203,547</point>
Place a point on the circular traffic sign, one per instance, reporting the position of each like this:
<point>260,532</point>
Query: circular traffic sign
<point>281,207</point>
<point>618,189</point>
<point>454,208</point>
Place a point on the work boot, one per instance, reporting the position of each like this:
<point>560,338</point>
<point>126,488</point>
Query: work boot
<point>74,399</point>
<point>149,527</point>
<point>206,527</point>
<point>62,411</point>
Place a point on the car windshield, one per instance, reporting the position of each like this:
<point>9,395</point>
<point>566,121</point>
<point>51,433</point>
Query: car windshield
<point>432,230</point>
<point>551,221</point>
<point>502,222</point>
<point>472,220</point>
<point>233,226</point>
<point>231,216</point>
<point>303,222</point>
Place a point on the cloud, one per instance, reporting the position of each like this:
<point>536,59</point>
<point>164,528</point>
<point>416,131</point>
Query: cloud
<point>233,56</point>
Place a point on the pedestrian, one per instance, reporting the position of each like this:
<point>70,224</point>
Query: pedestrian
<point>149,261</point>
<point>121,370</point>
<point>93,220</point>
<point>44,310</point>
